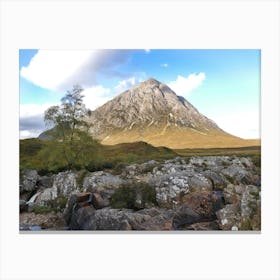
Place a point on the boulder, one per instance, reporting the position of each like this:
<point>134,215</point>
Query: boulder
<point>205,203</point>
<point>185,216</point>
<point>28,183</point>
<point>161,219</point>
<point>103,185</point>
<point>45,182</point>
<point>170,189</point>
<point>97,181</point>
<point>229,217</point>
<point>87,218</point>
<point>23,207</point>
<point>64,185</point>
<point>237,174</point>
<point>133,170</point>
<point>244,210</point>
<point>218,180</point>
<point>75,202</point>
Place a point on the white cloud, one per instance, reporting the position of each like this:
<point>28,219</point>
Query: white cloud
<point>60,69</point>
<point>147,50</point>
<point>126,84</point>
<point>31,122</point>
<point>183,86</point>
<point>165,65</point>
<point>242,124</point>
<point>96,96</point>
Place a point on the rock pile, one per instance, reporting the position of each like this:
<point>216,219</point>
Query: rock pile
<point>204,193</point>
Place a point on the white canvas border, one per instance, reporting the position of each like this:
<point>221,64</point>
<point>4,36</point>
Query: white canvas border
<point>139,24</point>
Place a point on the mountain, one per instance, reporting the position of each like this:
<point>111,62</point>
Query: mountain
<point>153,113</point>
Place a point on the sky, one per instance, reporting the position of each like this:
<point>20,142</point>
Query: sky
<point>224,85</point>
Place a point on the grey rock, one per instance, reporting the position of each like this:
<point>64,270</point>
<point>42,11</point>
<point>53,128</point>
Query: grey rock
<point>29,180</point>
<point>23,207</point>
<point>100,180</point>
<point>243,212</point>
<point>229,217</point>
<point>185,216</point>
<point>133,170</point>
<point>170,188</point>
<point>86,218</point>
<point>64,184</point>
<point>45,182</point>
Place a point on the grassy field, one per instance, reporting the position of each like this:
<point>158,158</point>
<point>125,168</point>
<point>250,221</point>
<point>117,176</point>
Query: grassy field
<point>116,156</point>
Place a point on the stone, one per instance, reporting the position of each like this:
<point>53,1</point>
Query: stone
<point>29,180</point>
<point>100,180</point>
<point>45,182</point>
<point>184,216</point>
<point>218,180</point>
<point>237,174</point>
<point>228,217</point>
<point>212,225</point>
<point>204,203</point>
<point>47,221</point>
<point>65,184</point>
<point>169,189</point>
<point>160,222</point>
<point>23,207</point>
<point>75,202</point>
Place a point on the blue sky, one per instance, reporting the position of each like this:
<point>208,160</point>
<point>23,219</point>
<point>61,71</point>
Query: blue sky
<point>224,85</point>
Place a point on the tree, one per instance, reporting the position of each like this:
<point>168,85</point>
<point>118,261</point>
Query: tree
<point>70,140</point>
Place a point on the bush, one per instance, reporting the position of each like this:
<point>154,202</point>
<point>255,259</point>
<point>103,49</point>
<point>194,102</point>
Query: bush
<point>44,209</point>
<point>58,204</point>
<point>127,196</point>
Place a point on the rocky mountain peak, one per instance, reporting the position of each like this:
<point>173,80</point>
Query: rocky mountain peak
<point>150,104</point>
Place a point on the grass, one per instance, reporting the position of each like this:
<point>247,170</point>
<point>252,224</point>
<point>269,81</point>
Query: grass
<point>32,156</point>
<point>115,157</point>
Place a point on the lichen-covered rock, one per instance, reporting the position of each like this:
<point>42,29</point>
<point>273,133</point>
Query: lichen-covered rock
<point>100,180</point>
<point>238,174</point>
<point>229,217</point>
<point>170,188</point>
<point>102,183</point>
<point>64,184</point>
<point>133,170</point>
<point>244,209</point>
<point>29,180</point>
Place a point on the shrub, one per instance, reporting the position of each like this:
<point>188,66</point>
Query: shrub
<point>42,209</point>
<point>126,196</point>
<point>58,204</point>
